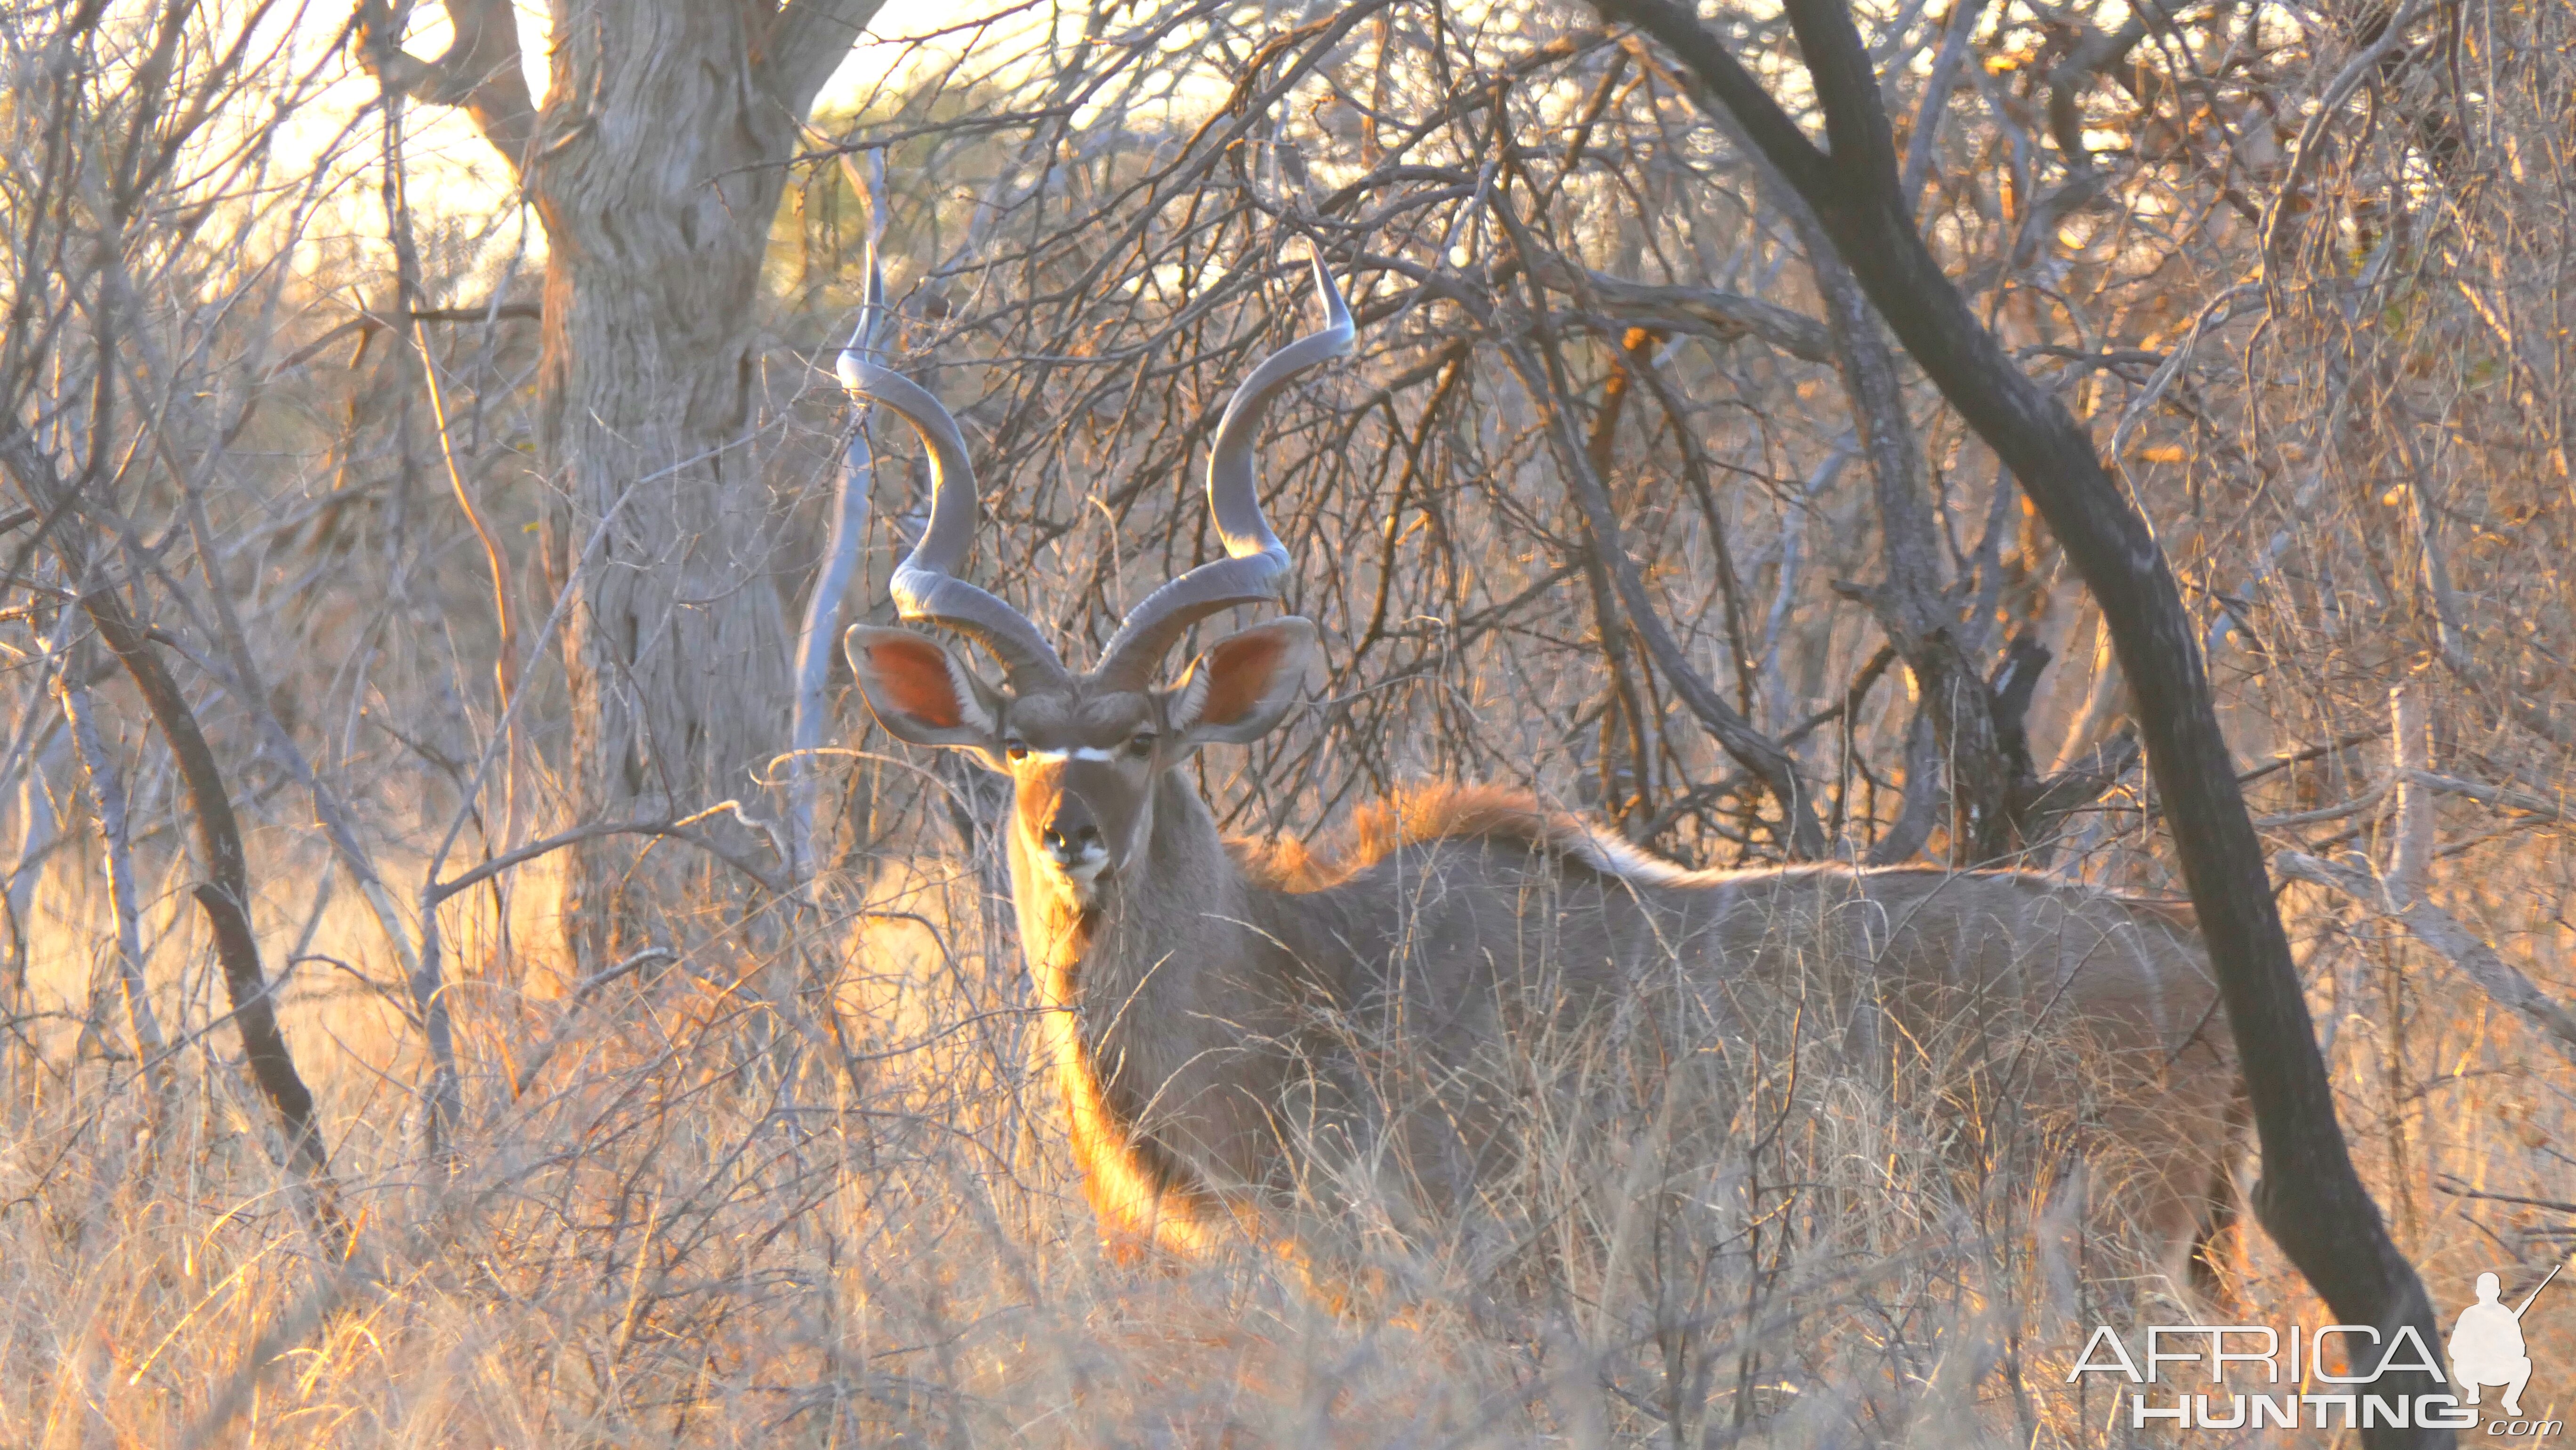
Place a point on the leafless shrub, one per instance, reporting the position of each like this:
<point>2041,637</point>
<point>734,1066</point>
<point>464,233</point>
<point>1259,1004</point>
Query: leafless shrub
<point>789,1177</point>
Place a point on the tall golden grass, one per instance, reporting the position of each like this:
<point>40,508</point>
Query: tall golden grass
<point>821,1199</point>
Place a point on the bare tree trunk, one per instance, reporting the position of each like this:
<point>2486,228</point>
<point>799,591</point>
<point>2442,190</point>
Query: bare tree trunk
<point>225,897</point>
<point>658,215</point>
<point>657,167</point>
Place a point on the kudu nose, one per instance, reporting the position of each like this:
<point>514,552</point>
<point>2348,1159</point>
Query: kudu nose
<point>1068,843</point>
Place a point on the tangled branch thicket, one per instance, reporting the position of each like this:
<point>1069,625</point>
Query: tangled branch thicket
<point>787,1176</point>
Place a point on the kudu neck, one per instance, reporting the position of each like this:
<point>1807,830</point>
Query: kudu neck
<point>1134,991</point>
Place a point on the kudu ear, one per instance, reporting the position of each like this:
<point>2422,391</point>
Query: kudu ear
<point>1243,685</point>
<point>921,691</point>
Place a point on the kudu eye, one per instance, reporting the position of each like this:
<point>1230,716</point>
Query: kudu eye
<point>1016,749</point>
<point>1142,744</point>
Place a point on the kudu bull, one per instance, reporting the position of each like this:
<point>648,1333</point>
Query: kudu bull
<point>1181,978</point>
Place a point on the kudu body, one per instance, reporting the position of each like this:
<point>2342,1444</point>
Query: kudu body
<point>1225,1023</point>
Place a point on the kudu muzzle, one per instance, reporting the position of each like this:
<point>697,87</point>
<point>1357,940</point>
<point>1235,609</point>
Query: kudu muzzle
<point>1091,809</point>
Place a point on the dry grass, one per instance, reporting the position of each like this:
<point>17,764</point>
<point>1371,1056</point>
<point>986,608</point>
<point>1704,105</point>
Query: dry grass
<point>826,1203</point>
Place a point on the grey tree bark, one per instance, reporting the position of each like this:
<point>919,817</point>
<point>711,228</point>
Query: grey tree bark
<point>656,166</point>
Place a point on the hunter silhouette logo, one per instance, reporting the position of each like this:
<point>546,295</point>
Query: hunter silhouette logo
<point>2487,1348</point>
